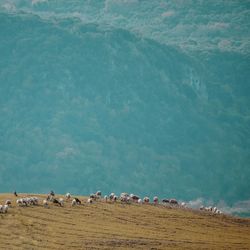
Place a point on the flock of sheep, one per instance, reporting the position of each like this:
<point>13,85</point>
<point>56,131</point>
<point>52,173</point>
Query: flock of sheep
<point>123,198</point>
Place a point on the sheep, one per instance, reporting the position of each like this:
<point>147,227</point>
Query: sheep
<point>115,198</point>
<point>173,201</point>
<point>183,204</point>
<point>5,209</point>
<point>105,198</point>
<point>8,202</point>
<point>19,202</point>
<point>202,208</point>
<point>1,208</point>
<point>165,201</point>
<point>156,200</point>
<point>55,201</point>
<point>111,196</point>
<point>33,200</point>
<point>90,200</point>
<point>93,196</point>
<point>61,202</point>
<point>73,203</point>
<point>45,203</point>
<point>134,198</point>
<point>98,194</point>
<point>139,201</point>
<point>124,197</point>
<point>77,201</point>
<point>27,201</point>
<point>146,199</point>
<point>218,212</point>
<point>52,193</point>
<point>22,202</point>
<point>67,196</point>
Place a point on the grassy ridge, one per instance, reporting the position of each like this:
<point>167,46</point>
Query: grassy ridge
<point>108,226</point>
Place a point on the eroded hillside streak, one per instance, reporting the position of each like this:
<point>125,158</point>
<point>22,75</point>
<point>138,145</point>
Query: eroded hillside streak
<point>106,225</point>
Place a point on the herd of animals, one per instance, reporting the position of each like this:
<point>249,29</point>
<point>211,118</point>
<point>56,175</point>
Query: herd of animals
<point>124,198</point>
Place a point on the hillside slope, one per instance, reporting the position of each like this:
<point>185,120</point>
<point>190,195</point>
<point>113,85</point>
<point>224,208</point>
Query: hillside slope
<point>117,226</point>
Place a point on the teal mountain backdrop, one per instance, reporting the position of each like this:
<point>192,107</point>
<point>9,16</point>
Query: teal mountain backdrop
<point>147,97</point>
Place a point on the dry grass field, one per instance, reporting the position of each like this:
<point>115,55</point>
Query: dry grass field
<point>117,226</point>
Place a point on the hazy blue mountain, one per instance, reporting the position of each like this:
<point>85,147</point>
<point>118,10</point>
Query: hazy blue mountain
<point>149,97</point>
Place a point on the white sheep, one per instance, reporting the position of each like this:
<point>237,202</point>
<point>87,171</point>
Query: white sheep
<point>20,202</point>
<point>202,208</point>
<point>5,209</point>
<point>134,197</point>
<point>214,209</point>
<point>45,203</point>
<point>105,198</point>
<point>183,204</point>
<point>156,200</point>
<point>111,196</point>
<point>73,203</point>
<point>90,200</point>
<point>98,194</point>
<point>8,202</point>
<point>68,196</point>
<point>61,201</point>
<point>139,201</point>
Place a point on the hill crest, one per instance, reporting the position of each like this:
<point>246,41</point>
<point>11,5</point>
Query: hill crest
<point>105,225</point>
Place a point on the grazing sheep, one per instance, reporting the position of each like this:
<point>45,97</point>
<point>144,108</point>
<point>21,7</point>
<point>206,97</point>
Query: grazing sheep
<point>78,202</point>
<point>61,201</point>
<point>8,202</point>
<point>19,202</point>
<point>98,194</point>
<point>68,196</point>
<point>5,209</point>
<point>218,212</point>
<point>33,201</point>
<point>173,201</point>
<point>139,201</point>
<point>45,203</point>
<point>134,197</point>
<point>22,202</point>
<point>111,196</point>
<point>90,200</point>
<point>156,200</point>
<point>146,199</point>
<point>115,198</point>
<point>57,202</point>
<point>214,209</point>
<point>73,203</point>
<point>105,198</point>
<point>165,201</point>
<point>183,204</point>
<point>93,197</point>
<point>124,197</point>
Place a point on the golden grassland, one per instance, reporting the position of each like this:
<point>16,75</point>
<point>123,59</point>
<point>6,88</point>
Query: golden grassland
<point>118,226</point>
